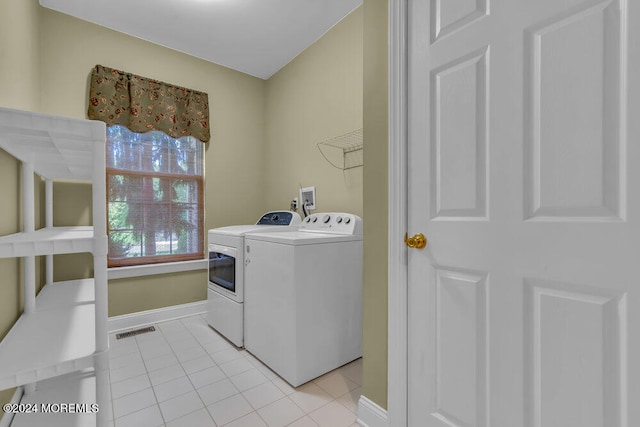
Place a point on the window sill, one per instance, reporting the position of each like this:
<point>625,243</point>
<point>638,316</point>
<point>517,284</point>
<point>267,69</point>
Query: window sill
<point>153,269</point>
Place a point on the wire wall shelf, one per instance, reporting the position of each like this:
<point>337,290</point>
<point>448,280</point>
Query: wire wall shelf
<point>345,151</point>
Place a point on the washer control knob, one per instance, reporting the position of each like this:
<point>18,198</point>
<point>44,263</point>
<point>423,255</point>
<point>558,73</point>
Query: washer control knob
<point>326,219</point>
<point>275,218</point>
<point>347,220</point>
<point>315,219</point>
<point>307,219</point>
<point>339,219</point>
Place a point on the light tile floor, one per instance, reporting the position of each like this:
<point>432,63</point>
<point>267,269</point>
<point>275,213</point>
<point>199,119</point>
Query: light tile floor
<point>186,375</point>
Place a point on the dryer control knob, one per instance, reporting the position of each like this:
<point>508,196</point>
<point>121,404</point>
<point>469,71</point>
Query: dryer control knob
<point>339,219</point>
<point>347,220</point>
<point>326,219</point>
<point>315,219</point>
<point>307,219</point>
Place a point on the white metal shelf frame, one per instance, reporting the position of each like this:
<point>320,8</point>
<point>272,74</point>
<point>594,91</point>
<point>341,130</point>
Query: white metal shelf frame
<point>349,147</point>
<point>64,329</point>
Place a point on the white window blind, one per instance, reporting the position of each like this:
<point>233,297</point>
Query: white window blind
<point>155,197</point>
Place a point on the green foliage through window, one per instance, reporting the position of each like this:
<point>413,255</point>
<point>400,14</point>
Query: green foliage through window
<point>155,197</point>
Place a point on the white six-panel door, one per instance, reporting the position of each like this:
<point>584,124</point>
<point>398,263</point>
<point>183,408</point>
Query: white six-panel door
<point>523,160</point>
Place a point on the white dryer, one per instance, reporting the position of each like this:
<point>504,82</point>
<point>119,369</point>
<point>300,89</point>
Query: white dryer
<point>225,293</point>
<point>303,296</point>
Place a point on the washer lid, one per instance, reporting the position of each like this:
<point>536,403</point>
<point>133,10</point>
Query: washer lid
<point>274,221</point>
<point>302,238</point>
<point>241,230</point>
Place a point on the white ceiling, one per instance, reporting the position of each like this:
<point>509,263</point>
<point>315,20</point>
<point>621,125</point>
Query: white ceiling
<point>257,37</point>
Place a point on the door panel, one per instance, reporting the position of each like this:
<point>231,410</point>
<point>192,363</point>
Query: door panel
<point>459,123</point>
<point>573,114</point>
<point>576,341</point>
<point>461,328</point>
<point>523,310</point>
<point>450,15</point>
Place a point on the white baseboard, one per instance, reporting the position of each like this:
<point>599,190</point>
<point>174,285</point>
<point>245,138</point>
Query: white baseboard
<point>144,318</point>
<point>370,414</point>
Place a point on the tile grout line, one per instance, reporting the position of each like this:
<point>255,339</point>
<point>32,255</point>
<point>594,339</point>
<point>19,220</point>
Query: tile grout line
<point>244,355</point>
<point>226,378</point>
<point>206,408</point>
<point>164,337</point>
<point>187,375</point>
<point>112,400</point>
<point>229,379</point>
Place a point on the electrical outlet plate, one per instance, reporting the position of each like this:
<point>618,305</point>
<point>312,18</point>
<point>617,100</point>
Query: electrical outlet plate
<point>308,196</point>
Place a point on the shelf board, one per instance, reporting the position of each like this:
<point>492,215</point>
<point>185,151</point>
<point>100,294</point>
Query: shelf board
<point>58,147</point>
<point>76,388</point>
<point>58,338</point>
<point>48,241</point>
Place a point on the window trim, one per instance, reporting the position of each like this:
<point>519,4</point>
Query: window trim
<point>142,270</point>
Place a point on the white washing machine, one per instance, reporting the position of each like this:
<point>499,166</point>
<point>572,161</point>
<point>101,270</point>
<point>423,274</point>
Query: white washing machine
<point>303,296</point>
<point>225,293</point>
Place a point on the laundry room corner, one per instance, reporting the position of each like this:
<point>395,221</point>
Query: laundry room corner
<point>236,104</point>
<point>264,145</point>
<point>19,88</point>
<point>314,98</point>
<point>376,206</point>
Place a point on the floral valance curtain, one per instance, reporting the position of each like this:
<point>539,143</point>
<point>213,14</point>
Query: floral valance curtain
<point>142,104</point>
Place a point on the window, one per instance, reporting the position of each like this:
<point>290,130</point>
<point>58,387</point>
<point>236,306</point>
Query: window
<point>155,197</point>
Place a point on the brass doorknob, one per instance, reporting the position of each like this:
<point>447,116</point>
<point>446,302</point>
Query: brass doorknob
<point>418,241</point>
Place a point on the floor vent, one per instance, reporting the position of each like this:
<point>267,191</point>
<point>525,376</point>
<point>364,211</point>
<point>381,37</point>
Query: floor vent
<point>135,332</point>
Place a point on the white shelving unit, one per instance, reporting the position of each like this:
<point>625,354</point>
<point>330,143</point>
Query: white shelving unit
<point>58,348</point>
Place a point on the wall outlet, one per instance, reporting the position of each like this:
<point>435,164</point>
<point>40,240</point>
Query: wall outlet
<point>294,204</point>
<point>308,197</point>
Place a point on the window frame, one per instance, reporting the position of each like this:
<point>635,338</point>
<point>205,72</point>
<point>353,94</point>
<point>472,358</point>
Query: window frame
<point>199,226</point>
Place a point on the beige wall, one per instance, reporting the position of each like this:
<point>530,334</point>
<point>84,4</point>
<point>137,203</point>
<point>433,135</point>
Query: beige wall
<point>19,55</point>
<point>315,97</point>
<point>19,88</point>
<point>375,201</point>
<point>235,156</point>
<point>263,145</point>
<point>45,61</point>
<point>149,292</point>
<point>335,86</point>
